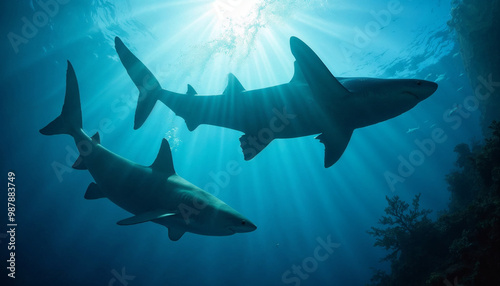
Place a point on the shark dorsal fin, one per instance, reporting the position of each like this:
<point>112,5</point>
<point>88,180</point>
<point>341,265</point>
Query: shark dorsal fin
<point>298,76</point>
<point>325,87</point>
<point>97,138</point>
<point>233,85</point>
<point>191,90</point>
<point>163,162</point>
<point>79,163</point>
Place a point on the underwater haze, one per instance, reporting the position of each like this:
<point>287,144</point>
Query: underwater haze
<point>312,221</point>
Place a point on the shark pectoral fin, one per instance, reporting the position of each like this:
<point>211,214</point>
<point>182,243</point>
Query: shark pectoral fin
<point>251,146</point>
<point>163,162</point>
<point>94,192</point>
<point>79,163</point>
<point>145,217</point>
<point>335,145</point>
<point>175,234</point>
<point>325,87</point>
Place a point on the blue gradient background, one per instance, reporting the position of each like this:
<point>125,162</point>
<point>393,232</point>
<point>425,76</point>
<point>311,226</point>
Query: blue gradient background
<point>62,239</point>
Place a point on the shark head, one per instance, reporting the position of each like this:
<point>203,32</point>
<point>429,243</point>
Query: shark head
<point>383,99</point>
<point>403,94</point>
<point>420,89</point>
<point>229,221</point>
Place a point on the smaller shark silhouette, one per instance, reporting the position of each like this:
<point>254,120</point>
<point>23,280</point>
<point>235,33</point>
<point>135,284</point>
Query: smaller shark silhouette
<point>155,193</point>
<point>313,102</point>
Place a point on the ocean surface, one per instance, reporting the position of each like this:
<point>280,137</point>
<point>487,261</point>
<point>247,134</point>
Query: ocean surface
<point>296,203</point>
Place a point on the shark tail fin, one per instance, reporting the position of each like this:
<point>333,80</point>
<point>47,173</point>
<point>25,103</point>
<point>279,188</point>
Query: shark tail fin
<point>143,78</point>
<point>70,120</point>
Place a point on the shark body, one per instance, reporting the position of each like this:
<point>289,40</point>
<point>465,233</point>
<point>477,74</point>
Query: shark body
<point>313,102</point>
<point>152,193</point>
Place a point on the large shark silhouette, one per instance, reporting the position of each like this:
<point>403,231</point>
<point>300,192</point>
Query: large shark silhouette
<point>155,193</point>
<point>313,102</point>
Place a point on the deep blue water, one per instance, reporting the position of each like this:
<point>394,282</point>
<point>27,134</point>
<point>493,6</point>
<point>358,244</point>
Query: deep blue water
<point>63,239</point>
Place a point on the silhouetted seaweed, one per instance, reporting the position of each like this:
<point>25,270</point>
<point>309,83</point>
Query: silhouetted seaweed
<point>402,222</point>
<point>463,245</point>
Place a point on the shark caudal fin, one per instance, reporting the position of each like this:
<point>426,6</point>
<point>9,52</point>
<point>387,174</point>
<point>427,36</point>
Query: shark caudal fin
<point>70,120</point>
<point>148,85</point>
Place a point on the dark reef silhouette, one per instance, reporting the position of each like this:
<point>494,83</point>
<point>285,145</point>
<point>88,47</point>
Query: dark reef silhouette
<point>476,23</point>
<point>462,247</point>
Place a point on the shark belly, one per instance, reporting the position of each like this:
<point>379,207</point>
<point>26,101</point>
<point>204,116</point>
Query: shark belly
<point>365,109</point>
<point>123,182</point>
<point>287,110</point>
<point>139,189</point>
<point>197,210</point>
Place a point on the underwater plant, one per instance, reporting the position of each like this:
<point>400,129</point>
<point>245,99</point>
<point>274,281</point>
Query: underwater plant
<point>407,235</point>
<point>463,244</point>
<point>402,222</point>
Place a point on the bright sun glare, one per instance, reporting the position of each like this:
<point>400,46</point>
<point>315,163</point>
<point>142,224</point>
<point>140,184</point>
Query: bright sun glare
<point>237,18</point>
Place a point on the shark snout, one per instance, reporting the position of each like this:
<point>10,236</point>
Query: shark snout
<point>244,226</point>
<point>423,89</point>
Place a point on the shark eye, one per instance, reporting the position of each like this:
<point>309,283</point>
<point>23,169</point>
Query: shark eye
<point>419,82</point>
<point>243,222</point>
